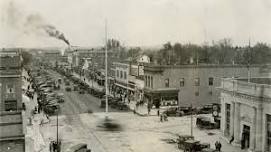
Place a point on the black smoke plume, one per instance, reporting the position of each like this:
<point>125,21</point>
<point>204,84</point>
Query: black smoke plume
<point>38,23</point>
<point>53,32</point>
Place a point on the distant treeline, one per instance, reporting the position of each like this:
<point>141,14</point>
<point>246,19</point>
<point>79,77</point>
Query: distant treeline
<point>220,52</point>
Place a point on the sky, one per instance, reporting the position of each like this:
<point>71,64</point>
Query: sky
<point>134,22</point>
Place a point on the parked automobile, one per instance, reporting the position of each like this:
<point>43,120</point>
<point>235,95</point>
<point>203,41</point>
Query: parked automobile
<point>79,148</point>
<point>206,109</point>
<point>68,89</point>
<point>173,111</point>
<point>182,138</point>
<point>194,146</point>
<point>67,83</point>
<point>81,91</point>
<point>205,122</point>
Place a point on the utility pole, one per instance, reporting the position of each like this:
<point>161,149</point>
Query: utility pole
<point>106,90</point>
<point>191,129</point>
<point>249,60</point>
<point>57,128</point>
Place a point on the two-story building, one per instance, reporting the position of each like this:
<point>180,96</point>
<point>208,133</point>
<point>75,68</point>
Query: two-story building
<point>11,121</point>
<point>246,112</point>
<point>189,84</point>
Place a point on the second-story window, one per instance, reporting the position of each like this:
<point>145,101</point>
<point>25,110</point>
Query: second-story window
<point>197,81</point>
<point>211,81</point>
<point>151,82</point>
<point>125,75</point>
<point>167,82</point>
<point>10,88</point>
<point>118,74</point>
<point>181,82</point>
<point>121,74</point>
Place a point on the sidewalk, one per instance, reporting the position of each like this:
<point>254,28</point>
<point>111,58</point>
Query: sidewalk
<point>34,141</point>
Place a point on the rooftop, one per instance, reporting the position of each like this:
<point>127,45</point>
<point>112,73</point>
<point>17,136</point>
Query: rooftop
<point>258,87</point>
<point>266,81</point>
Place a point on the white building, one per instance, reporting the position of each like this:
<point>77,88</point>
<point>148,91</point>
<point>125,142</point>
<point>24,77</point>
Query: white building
<point>246,112</point>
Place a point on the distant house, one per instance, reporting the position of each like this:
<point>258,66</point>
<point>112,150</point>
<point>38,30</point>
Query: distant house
<point>144,59</point>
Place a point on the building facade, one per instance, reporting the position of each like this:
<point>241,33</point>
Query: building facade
<point>246,112</point>
<point>11,121</point>
<point>185,84</point>
<point>129,79</point>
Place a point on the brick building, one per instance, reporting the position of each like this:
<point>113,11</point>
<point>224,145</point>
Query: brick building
<point>11,121</point>
<point>186,84</point>
<point>246,112</point>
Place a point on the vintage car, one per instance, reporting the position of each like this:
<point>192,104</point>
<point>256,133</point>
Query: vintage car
<point>68,89</point>
<point>173,111</point>
<point>205,122</point>
<point>79,148</point>
<point>194,146</point>
<point>182,138</point>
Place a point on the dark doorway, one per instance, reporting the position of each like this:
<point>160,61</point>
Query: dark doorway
<point>245,137</point>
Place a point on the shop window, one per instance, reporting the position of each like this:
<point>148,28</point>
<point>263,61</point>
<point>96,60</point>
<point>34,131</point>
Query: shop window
<point>181,82</point>
<point>10,105</point>
<point>197,81</point>
<point>211,81</point>
<point>167,82</point>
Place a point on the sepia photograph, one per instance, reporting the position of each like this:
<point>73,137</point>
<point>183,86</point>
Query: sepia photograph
<point>135,75</point>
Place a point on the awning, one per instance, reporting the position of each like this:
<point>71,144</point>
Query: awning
<point>125,87</point>
<point>162,91</point>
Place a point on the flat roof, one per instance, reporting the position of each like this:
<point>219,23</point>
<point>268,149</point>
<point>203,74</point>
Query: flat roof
<point>266,81</point>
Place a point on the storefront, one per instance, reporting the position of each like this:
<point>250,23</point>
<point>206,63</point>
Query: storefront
<point>161,97</point>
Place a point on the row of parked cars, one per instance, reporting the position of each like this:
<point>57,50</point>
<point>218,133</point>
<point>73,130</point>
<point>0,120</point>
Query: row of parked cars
<point>46,88</point>
<point>203,121</point>
<point>79,85</point>
<point>114,102</point>
<point>188,110</point>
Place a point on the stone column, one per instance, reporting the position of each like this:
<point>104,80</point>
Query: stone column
<point>237,123</point>
<point>259,135</point>
<point>252,141</point>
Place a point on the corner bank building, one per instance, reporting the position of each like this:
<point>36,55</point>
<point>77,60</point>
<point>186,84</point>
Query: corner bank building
<point>246,112</point>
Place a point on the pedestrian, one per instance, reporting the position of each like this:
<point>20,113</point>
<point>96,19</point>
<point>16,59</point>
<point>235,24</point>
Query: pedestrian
<point>165,117</point>
<point>161,118</point>
<point>41,122</point>
<point>232,138</point>
<point>158,112</point>
<point>219,146</point>
<point>48,118</point>
<point>216,145</point>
